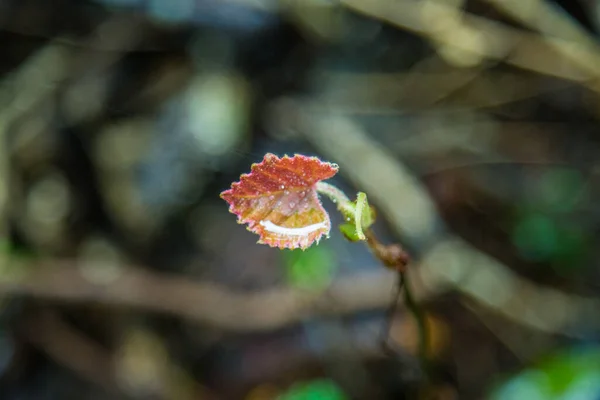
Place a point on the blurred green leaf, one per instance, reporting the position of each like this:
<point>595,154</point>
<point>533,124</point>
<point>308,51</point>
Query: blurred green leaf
<point>541,237</point>
<point>531,385</point>
<point>536,237</point>
<point>322,389</point>
<point>543,230</point>
<point>13,259</point>
<point>8,248</point>
<point>568,375</point>
<point>311,269</point>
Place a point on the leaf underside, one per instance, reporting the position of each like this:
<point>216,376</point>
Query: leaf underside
<point>279,202</point>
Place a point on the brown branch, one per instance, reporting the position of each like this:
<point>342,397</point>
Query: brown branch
<point>449,264</point>
<point>202,301</point>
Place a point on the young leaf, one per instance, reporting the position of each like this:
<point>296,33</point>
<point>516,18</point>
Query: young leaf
<point>349,232</point>
<point>279,202</point>
<point>365,212</point>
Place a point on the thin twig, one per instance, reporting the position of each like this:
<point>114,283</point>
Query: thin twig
<point>390,314</point>
<point>404,289</point>
<point>417,312</point>
<point>338,197</point>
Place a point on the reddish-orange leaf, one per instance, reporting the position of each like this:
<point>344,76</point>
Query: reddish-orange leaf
<point>279,202</point>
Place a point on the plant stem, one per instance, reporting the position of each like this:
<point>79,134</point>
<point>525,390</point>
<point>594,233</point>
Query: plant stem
<point>419,316</point>
<point>343,203</point>
<point>391,256</point>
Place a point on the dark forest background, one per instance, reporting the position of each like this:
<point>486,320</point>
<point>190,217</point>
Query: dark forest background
<point>471,125</point>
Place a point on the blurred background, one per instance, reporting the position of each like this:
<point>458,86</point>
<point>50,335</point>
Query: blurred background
<point>471,125</point>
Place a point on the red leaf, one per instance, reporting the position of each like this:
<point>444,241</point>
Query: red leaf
<point>279,202</point>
